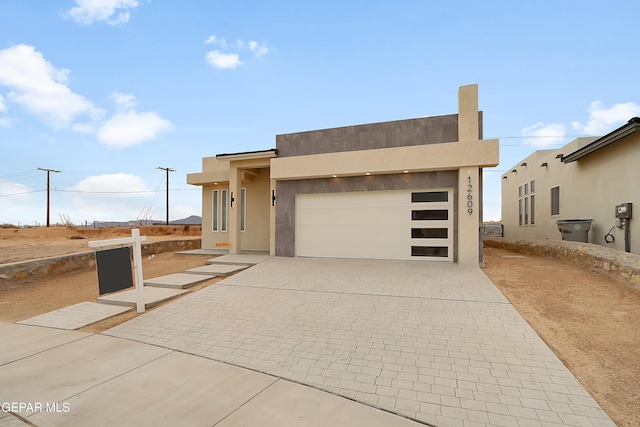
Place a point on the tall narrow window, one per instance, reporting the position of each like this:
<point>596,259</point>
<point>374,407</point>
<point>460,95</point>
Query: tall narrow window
<point>555,201</point>
<point>223,213</point>
<point>243,209</point>
<point>533,209</point>
<point>520,211</point>
<point>214,210</point>
<point>526,211</point>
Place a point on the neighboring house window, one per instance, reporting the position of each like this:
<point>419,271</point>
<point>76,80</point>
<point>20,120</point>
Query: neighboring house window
<point>243,209</point>
<point>520,211</point>
<point>223,213</point>
<point>533,202</point>
<point>533,209</point>
<point>526,188</point>
<point>520,191</point>
<point>526,211</point>
<point>214,210</point>
<point>555,201</point>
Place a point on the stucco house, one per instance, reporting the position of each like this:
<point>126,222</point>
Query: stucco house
<point>589,178</point>
<point>407,189</point>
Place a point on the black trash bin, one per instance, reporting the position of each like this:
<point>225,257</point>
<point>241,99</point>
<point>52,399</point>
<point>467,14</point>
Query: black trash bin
<point>575,230</point>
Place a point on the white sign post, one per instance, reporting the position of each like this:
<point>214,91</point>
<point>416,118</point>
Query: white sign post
<point>134,241</point>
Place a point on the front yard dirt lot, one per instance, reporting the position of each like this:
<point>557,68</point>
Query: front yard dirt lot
<point>589,321</point>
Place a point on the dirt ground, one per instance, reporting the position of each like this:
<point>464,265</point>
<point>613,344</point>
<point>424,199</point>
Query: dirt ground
<point>589,321</point>
<point>20,244</point>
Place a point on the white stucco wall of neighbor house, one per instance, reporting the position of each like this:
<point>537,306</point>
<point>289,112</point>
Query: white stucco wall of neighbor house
<point>542,189</point>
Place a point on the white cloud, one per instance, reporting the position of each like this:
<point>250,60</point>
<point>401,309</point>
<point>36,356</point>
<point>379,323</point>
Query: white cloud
<point>258,49</point>
<point>113,12</point>
<point>220,59</point>
<point>603,120</point>
<point>132,128</point>
<point>125,101</point>
<point>99,197</point>
<point>19,192</point>
<point>3,107</point>
<point>40,88</point>
<point>215,40</point>
<point>5,123</point>
<point>223,60</point>
<point>543,136</point>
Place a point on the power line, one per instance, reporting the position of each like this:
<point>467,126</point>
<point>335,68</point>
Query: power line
<point>19,194</point>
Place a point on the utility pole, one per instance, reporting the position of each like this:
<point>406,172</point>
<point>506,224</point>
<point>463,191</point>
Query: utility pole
<point>167,170</point>
<point>48,171</point>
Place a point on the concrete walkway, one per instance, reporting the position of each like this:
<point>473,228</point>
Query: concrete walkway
<point>434,342</point>
<point>50,377</point>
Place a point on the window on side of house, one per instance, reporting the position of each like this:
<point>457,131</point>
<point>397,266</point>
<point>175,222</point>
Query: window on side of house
<point>533,209</point>
<point>223,210</point>
<point>532,202</point>
<point>555,201</point>
<point>520,212</point>
<point>214,210</point>
<point>526,211</point>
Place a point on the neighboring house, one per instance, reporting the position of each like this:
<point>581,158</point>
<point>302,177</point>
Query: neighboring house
<point>585,179</point>
<point>407,189</point>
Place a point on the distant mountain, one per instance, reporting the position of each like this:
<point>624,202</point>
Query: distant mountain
<point>192,220</point>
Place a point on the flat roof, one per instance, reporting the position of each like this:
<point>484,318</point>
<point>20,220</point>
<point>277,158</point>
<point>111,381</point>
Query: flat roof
<point>631,127</point>
<point>246,155</point>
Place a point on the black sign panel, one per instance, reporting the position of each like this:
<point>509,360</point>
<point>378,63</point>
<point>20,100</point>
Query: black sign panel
<point>114,269</point>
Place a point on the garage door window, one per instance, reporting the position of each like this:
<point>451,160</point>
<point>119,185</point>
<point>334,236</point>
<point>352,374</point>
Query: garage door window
<point>430,251</point>
<point>430,196</point>
<point>430,215</point>
<point>429,233</point>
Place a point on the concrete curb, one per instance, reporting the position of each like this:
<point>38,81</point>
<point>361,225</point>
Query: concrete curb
<point>620,266</point>
<point>17,273</point>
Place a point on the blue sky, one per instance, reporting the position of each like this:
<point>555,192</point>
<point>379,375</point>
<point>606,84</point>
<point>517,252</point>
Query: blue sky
<point>106,91</point>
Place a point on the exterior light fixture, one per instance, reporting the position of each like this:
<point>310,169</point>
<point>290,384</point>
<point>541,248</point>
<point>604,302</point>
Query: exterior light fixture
<point>335,176</point>
<point>523,164</point>
<point>544,165</point>
<point>504,177</point>
<point>514,171</point>
<point>368,174</point>
<point>405,171</point>
<point>560,156</point>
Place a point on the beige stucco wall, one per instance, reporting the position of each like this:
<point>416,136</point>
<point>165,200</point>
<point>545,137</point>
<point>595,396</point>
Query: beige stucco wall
<point>466,156</point>
<point>590,188</point>
<point>421,158</point>
<point>256,234</point>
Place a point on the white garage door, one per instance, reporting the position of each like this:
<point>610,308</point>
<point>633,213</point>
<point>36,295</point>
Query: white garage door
<point>376,225</point>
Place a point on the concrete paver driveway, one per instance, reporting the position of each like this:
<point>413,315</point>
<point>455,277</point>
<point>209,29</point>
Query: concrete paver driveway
<point>431,341</point>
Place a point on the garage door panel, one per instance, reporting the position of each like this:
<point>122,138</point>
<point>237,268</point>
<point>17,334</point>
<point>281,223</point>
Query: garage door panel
<point>375,224</point>
<point>387,216</point>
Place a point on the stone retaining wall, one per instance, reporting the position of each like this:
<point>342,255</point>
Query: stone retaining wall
<point>17,273</point>
<point>620,266</point>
